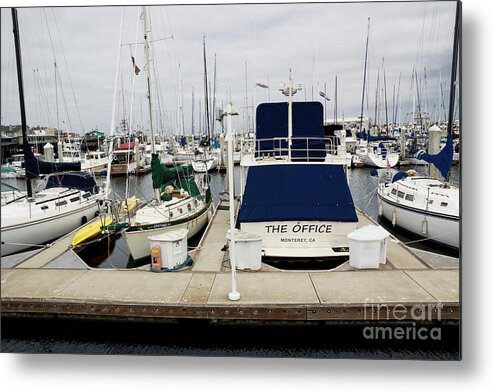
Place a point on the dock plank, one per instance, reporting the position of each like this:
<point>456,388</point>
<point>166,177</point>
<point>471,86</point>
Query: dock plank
<point>199,289</point>
<point>362,287</point>
<point>128,286</point>
<point>37,283</point>
<point>46,255</point>
<point>401,257</point>
<point>210,256</point>
<point>265,288</point>
<point>442,284</point>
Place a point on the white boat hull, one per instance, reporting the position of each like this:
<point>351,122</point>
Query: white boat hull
<point>377,160</point>
<point>137,240</point>
<point>19,233</point>
<point>302,238</point>
<point>437,227</point>
<point>203,166</point>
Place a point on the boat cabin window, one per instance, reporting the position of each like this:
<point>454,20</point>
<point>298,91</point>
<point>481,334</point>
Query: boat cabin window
<point>409,197</point>
<point>431,201</point>
<point>400,194</point>
<point>394,191</point>
<point>443,204</point>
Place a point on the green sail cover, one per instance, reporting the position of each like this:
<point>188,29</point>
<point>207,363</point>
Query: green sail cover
<point>179,177</point>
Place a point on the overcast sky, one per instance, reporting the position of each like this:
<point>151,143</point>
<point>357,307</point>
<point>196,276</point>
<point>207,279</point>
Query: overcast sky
<point>316,41</point>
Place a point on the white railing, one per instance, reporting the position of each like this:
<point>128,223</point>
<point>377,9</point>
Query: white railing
<point>298,148</point>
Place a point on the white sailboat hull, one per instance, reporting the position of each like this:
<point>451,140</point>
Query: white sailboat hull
<point>377,160</point>
<point>203,166</point>
<point>23,227</point>
<point>137,240</point>
<point>431,221</point>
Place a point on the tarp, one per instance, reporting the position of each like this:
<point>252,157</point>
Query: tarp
<point>179,177</point>
<point>272,122</point>
<point>34,167</point>
<point>297,192</point>
<point>442,160</point>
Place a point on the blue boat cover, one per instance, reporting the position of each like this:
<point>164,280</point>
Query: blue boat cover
<point>73,180</point>
<point>272,122</point>
<point>34,167</point>
<point>295,192</point>
<point>442,160</point>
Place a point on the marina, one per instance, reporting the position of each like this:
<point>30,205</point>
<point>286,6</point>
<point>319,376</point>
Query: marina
<point>270,212</point>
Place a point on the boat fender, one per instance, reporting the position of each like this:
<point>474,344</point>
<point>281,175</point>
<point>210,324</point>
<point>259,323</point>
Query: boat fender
<point>380,209</point>
<point>424,227</point>
<point>156,261</point>
<point>394,218</point>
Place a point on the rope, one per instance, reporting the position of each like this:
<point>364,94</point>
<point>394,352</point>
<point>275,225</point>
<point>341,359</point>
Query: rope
<point>21,244</point>
<point>426,239</point>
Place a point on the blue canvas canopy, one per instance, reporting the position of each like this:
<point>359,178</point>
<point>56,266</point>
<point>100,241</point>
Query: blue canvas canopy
<point>442,160</point>
<point>272,122</point>
<point>297,192</point>
<point>73,180</point>
<point>35,167</point>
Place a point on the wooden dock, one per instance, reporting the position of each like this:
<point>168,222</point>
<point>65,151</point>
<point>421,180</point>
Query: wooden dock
<point>56,282</point>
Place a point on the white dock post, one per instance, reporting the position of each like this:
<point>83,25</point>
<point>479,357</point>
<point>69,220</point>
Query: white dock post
<point>234,295</point>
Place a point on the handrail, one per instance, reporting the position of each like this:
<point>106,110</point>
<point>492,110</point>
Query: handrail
<point>278,147</point>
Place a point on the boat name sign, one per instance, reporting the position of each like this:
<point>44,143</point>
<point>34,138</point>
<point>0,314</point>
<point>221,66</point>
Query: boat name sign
<point>299,228</point>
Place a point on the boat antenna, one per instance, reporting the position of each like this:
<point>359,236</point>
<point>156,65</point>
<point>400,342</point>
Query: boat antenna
<point>18,58</point>
<point>364,77</point>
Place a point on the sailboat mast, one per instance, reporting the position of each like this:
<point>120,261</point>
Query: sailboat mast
<point>335,102</point>
<point>113,114</point>
<point>193,112</point>
<point>148,65</point>
<point>157,194</point>
<point>453,77</point>
<point>206,95</point>
<point>213,120</point>
<point>364,76</point>
<point>385,96</point>
<point>20,83</point>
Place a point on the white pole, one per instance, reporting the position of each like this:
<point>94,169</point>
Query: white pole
<point>113,115</point>
<point>233,295</point>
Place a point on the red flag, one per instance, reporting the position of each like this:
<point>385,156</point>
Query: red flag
<point>388,164</point>
<point>136,69</point>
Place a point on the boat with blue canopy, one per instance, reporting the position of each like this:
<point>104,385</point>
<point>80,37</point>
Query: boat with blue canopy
<point>296,195</point>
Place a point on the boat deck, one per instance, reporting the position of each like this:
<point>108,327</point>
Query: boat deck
<point>55,281</point>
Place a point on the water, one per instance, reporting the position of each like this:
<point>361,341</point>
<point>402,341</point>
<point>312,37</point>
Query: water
<point>308,340</point>
<point>218,339</point>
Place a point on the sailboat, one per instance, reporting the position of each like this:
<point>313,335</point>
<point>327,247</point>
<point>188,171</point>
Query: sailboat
<point>426,205</point>
<point>204,161</point>
<point>64,200</point>
<point>373,151</point>
<point>296,194</point>
<point>181,199</point>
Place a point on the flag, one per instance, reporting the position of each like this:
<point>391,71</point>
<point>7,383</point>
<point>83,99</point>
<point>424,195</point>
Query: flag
<point>136,69</point>
<point>323,95</point>
<point>388,164</point>
<point>261,85</point>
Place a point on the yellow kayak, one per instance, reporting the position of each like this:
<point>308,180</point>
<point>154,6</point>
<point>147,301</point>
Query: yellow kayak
<point>92,229</point>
